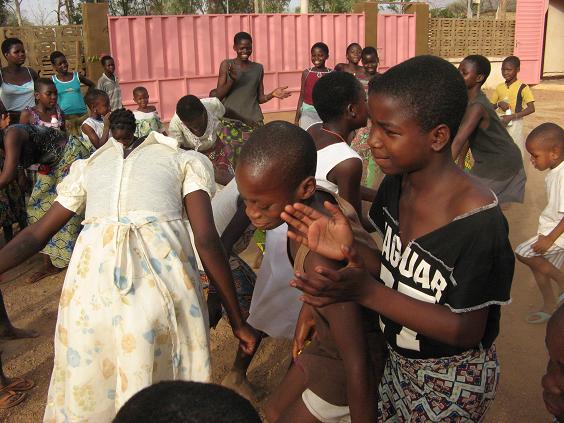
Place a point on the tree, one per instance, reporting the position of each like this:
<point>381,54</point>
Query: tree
<point>18,11</point>
<point>331,6</point>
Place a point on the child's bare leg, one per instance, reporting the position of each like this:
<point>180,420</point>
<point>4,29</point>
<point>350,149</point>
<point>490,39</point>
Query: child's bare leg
<point>47,269</point>
<point>544,271</point>
<point>236,379</point>
<point>285,405</point>
<point>7,331</point>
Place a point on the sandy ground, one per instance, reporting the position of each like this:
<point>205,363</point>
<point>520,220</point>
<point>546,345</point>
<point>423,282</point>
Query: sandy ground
<point>520,345</point>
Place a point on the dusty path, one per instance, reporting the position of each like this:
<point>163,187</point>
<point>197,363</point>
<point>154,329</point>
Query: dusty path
<point>520,345</point>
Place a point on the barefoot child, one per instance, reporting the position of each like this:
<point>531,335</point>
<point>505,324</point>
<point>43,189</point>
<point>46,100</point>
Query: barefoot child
<point>497,160</point>
<point>96,129</point>
<point>69,96</point>
<point>46,112</point>
<point>544,253</point>
<point>146,116</point>
<point>306,115</point>
<point>132,311</point>
<point>354,52</point>
<point>240,84</point>
<point>109,82</point>
<point>438,283</point>
<point>515,99</point>
<point>281,152</point>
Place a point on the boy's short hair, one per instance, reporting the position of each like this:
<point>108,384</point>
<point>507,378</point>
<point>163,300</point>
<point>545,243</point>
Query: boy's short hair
<point>189,108</point>
<point>482,65</point>
<point>549,134</point>
<point>287,147</point>
<point>186,402</point>
<point>430,89</point>
<point>334,92</point>
<point>240,36</point>
<point>93,95</point>
<point>369,50</point>
<point>321,46</point>
<point>351,45</point>
<point>139,90</point>
<point>105,58</point>
<point>8,43</point>
<point>41,82</point>
<point>54,56</point>
<point>123,119</point>
<point>513,60</point>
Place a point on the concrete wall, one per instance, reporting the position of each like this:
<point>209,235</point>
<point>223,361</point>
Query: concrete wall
<point>553,52</point>
<point>495,77</point>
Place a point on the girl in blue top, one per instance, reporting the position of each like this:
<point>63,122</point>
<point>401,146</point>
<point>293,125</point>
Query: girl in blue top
<point>68,88</point>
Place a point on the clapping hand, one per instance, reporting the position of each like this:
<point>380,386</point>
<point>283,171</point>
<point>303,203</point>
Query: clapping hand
<point>281,92</point>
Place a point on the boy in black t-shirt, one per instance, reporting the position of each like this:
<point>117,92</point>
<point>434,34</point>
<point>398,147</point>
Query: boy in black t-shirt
<point>446,264</point>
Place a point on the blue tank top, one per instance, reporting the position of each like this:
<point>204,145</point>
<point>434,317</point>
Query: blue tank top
<point>69,96</point>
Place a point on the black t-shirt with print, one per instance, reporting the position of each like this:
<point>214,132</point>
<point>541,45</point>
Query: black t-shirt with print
<point>465,265</point>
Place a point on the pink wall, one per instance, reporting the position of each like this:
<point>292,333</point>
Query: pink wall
<point>529,38</point>
<point>175,55</point>
<point>396,39</point>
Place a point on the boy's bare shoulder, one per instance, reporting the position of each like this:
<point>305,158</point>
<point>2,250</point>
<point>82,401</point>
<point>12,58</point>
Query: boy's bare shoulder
<point>471,194</point>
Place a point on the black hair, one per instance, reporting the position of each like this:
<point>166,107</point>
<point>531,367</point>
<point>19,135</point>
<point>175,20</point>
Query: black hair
<point>187,402</point>
<point>189,108</point>
<point>436,96</point>
<point>513,60</point>
<point>334,92</point>
<point>549,134</point>
<point>351,45</point>
<point>43,82</point>
<point>54,56</point>
<point>93,95</point>
<point>370,50</point>
<point>321,46</point>
<point>105,58</point>
<point>140,89</point>
<point>8,43</point>
<point>240,36</point>
<point>482,65</point>
<point>122,119</point>
<point>286,147</point>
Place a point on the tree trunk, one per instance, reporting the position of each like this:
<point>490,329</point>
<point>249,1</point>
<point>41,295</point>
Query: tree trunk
<point>501,8</point>
<point>17,4</point>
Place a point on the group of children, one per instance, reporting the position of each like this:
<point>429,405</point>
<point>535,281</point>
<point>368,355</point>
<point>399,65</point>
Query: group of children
<point>373,357</point>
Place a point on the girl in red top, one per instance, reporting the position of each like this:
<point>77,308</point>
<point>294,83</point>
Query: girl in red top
<point>306,115</point>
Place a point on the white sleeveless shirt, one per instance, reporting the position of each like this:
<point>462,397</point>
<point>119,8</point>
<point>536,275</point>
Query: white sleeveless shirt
<point>329,157</point>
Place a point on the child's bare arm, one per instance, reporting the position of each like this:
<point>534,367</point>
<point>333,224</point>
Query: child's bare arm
<point>470,122</point>
<point>224,82</point>
<point>235,228</point>
<point>96,141</point>
<point>84,80</point>
<point>13,138</point>
<point>301,99</point>
<point>545,242</point>
<point>33,238</point>
<point>25,117</point>
<point>279,92</point>
<point>347,329</point>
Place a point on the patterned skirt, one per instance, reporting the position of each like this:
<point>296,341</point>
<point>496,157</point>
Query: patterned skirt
<point>44,193</point>
<point>450,389</point>
<point>371,172</point>
<point>12,202</point>
<point>233,135</point>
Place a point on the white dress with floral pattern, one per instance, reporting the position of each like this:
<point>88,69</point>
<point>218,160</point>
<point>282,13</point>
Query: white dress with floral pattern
<point>132,312</point>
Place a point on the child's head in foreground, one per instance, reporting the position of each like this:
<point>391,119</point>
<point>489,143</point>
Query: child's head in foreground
<point>553,380</point>
<point>370,60</point>
<point>243,45</point>
<point>276,167</point>
<point>46,92</point>
<point>141,97</point>
<point>186,402</point>
<point>123,125</point>
<point>354,53</point>
<point>545,144</point>
<point>108,64</point>
<point>475,69</point>
<point>339,96</point>
<point>510,67</point>
<point>98,102</point>
<point>193,114</point>
<point>414,119</point>
<point>319,54</point>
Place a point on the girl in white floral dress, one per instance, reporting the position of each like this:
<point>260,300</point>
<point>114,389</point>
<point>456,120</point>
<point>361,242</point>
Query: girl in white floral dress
<point>132,311</point>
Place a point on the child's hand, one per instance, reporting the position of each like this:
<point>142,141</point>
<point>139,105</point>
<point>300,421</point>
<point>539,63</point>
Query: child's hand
<point>106,119</point>
<point>506,119</point>
<point>281,92</point>
<point>305,329</point>
<point>5,121</point>
<point>232,72</point>
<point>542,245</point>
<point>247,338</point>
<point>327,286</point>
<point>503,105</point>
<point>322,234</point>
